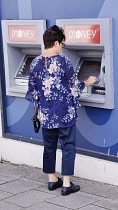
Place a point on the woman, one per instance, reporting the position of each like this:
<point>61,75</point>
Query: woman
<point>53,81</point>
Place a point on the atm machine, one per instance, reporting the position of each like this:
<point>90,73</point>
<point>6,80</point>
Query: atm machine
<point>22,42</point>
<point>89,47</point>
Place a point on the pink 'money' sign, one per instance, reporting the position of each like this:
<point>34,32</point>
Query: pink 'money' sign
<point>22,33</point>
<point>82,34</point>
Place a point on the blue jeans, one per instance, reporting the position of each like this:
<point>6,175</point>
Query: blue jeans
<point>66,136</point>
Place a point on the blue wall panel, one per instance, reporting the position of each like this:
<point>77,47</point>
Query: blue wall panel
<point>52,10</point>
<point>25,10</point>
<point>83,8</point>
<point>9,9</point>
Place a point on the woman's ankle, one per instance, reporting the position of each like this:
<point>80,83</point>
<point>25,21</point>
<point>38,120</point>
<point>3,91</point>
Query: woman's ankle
<point>66,181</point>
<point>52,177</point>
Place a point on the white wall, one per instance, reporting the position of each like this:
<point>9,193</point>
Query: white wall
<point>85,167</point>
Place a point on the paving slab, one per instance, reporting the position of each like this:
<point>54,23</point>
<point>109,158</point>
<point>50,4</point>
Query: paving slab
<point>75,200</point>
<point>19,186</point>
<point>4,195</point>
<point>46,206</point>
<point>110,203</point>
<point>7,177</point>
<point>6,166</point>
<point>2,182</point>
<point>37,175</point>
<point>16,170</point>
<point>44,188</point>
<point>91,207</point>
<point>29,198</point>
<point>7,206</point>
<point>100,189</point>
<point>82,182</point>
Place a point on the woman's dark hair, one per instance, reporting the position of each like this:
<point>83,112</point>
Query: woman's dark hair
<point>53,34</point>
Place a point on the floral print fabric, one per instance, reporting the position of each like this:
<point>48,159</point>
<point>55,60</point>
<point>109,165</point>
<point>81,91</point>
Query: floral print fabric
<point>54,88</point>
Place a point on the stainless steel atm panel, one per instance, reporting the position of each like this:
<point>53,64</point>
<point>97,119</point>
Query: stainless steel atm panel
<point>22,42</point>
<point>89,46</point>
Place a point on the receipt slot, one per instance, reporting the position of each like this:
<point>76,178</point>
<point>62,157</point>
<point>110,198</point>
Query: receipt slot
<point>89,47</point>
<point>22,42</point>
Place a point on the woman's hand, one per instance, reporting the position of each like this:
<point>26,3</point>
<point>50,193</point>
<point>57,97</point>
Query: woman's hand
<point>90,81</point>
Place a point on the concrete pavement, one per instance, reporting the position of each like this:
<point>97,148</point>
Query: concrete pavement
<point>25,188</point>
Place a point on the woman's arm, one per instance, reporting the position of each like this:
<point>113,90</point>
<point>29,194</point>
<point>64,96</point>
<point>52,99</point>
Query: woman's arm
<point>75,85</point>
<point>32,92</point>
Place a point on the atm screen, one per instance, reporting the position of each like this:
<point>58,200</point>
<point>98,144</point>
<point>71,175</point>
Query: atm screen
<point>24,68</point>
<point>88,68</point>
<point>22,75</point>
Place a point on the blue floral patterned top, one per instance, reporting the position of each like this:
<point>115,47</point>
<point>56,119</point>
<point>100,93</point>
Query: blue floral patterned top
<point>53,81</point>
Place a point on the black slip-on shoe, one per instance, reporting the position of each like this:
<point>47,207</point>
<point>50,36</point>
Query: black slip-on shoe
<point>72,189</point>
<point>55,185</point>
